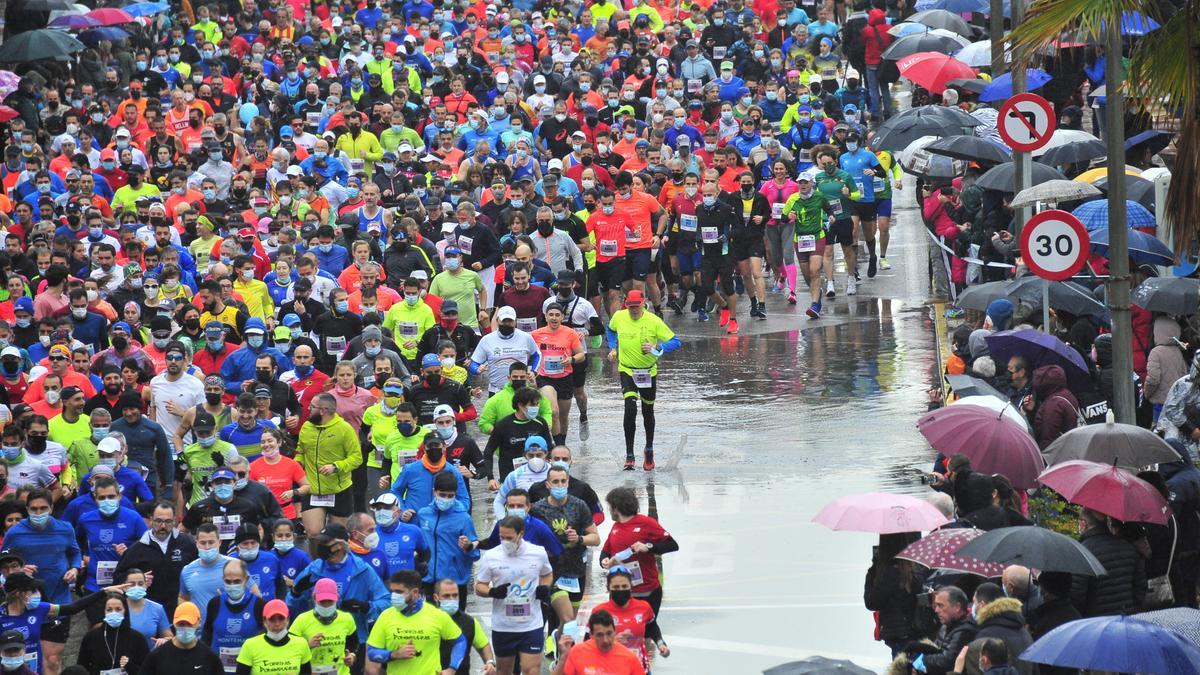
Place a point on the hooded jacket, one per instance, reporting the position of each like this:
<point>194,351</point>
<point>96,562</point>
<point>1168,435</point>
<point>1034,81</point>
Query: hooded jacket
<point>441,530</point>
<point>1003,619</point>
<point>1122,589</point>
<point>361,584</point>
<point>1165,363</point>
<point>335,442</point>
<point>875,37</point>
<point>239,366</point>
<point>1057,411</point>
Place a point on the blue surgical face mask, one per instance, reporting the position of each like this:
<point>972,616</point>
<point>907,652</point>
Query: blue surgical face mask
<point>449,606</point>
<point>453,263</point>
<point>109,506</point>
<point>399,602</point>
<point>385,517</point>
<point>235,591</point>
<point>35,601</point>
<point>207,441</point>
<point>533,411</point>
<point>39,520</point>
<point>248,554</point>
<point>852,146</point>
<point>12,662</point>
<point>285,545</point>
<point>444,503</point>
<point>517,513</point>
<point>446,432</point>
<point>99,433</point>
<point>114,619</point>
<point>342,306</point>
<point>209,555</point>
<point>255,341</point>
<point>186,635</point>
<point>325,612</point>
<point>223,492</point>
<point>559,493</point>
<point>135,593</point>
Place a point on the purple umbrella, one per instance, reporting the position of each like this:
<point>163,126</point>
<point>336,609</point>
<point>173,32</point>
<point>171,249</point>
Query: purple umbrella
<point>1040,350</point>
<point>990,438</point>
<point>74,22</point>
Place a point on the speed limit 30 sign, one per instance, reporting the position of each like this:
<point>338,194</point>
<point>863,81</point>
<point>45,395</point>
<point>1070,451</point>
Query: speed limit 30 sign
<point>1054,245</point>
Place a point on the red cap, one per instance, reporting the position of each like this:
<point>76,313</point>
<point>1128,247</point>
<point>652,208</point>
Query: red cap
<point>635,297</point>
<point>246,233</point>
<point>107,153</point>
<point>274,608</point>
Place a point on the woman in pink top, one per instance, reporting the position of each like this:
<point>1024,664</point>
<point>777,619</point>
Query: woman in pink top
<point>779,238</point>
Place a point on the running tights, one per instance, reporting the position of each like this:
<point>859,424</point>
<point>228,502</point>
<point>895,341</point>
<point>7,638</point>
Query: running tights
<point>631,424</point>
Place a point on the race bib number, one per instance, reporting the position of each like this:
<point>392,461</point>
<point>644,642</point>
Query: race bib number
<point>336,346</point>
<point>777,210</point>
<point>406,457</point>
<point>379,454</point>
<point>687,223</point>
<point>313,119</point>
<point>806,156</point>
<point>112,671</point>
<point>635,572</point>
<point>408,329</point>
<point>829,73</point>
<point>709,235</point>
<point>877,184</point>
<point>227,525</point>
<point>835,207</point>
<point>554,365</point>
<point>527,325</point>
<point>104,572</point>
<point>642,378</point>
<point>229,658</point>
<point>568,584</point>
<point>694,86</point>
<point>465,244</point>
<point>719,52</point>
<point>806,244</point>
<point>516,607</point>
<point>357,166</point>
<point>322,501</point>
<point>519,462</point>
<point>633,236</point>
<point>608,247</point>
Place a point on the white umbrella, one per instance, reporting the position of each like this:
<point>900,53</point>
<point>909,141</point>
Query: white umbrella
<point>1054,191</point>
<point>1001,407</point>
<point>1064,137</point>
<point>1154,172</point>
<point>906,155</point>
<point>75,9</point>
<point>979,54</point>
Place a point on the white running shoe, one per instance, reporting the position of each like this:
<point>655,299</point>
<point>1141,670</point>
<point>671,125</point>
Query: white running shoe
<point>884,264</point>
<point>851,286</point>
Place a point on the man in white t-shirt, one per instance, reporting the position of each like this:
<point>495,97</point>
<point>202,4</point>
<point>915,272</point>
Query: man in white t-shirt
<point>502,347</point>
<point>517,576</point>
<point>173,392</point>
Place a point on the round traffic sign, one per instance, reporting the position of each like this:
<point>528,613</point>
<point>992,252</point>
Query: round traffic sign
<point>1054,245</point>
<point>1026,122</point>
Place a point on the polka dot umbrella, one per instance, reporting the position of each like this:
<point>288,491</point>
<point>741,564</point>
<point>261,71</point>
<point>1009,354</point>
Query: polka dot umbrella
<point>938,551</point>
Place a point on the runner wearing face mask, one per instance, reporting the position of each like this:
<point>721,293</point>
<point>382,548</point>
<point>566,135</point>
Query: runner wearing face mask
<point>580,316</point>
<point>184,653</point>
<point>634,618</point>
<point>330,632</point>
<point>533,469</point>
<point>266,653</point>
<point>414,487</point>
<point>512,434</point>
<point>226,626</point>
<point>517,577</point>
<point>201,458</point>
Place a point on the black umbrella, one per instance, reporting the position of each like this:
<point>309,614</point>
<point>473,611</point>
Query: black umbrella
<point>1034,547</point>
<point>898,133</point>
<point>38,45</point>
<point>1137,189</point>
<point>979,296</point>
<point>819,665</point>
<point>940,18</point>
<point>1074,153</point>
<point>1000,177</point>
<point>971,84</point>
<point>1169,295</point>
<point>1065,296</point>
<point>921,42</point>
<point>965,385</point>
<point>971,149</point>
<point>945,114</point>
<point>45,5</point>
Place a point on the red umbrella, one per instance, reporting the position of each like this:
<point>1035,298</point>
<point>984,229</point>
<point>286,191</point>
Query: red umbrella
<point>7,113</point>
<point>933,70</point>
<point>939,549</point>
<point>991,439</point>
<point>110,16</point>
<point>1107,489</point>
<point>880,513</point>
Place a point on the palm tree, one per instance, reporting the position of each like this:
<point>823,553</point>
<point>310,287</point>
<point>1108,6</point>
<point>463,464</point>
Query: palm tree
<point>1163,75</point>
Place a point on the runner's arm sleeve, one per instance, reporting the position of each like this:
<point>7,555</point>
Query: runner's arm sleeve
<point>378,654</point>
<point>611,337</point>
<point>80,604</point>
<point>654,632</point>
<point>458,651</point>
<point>668,545</point>
<point>669,346</point>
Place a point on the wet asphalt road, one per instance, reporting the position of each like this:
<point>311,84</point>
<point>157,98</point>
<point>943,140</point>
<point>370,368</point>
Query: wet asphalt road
<point>755,434</point>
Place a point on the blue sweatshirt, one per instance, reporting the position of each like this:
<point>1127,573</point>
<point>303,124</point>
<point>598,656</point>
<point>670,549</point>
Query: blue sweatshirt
<point>99,536</point>
<point>441,530</point>
<point>414,487</point>
<point>53,550</point>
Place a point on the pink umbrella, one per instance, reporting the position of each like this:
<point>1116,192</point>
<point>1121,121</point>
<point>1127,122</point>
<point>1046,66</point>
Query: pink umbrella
<point>933,70</point>
<point>110,16</point>
<point>993,440</point>
<point>1107,489</point>
<point>880,513</point>
<point>938,550</point>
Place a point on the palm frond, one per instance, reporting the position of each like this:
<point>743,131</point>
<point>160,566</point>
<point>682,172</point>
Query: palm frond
<point>1046,20</point>
<point>1157,71</point>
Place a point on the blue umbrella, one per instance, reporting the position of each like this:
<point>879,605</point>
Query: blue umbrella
<point>1116,643</point>
<point>1002,88</point>
<point>139,9</point>
<point>1094,215</point>
<point>908,28</point>
<point>1039,349</point>
<point>1137,24</point>
<point>1144,249</point>
<point>1156,140</point>
<point>95,35</point>
<point>956,6</point>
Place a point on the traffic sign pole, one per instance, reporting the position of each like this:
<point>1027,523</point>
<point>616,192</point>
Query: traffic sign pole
<point>1118,242</point>
<point>1022,161</point>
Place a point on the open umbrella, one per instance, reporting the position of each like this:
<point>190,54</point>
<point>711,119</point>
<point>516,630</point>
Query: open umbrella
<point>1094,175</point>
<point>1136,24</point>
<point>1039,349</point>
<point>95,35</point>
<point>954,117</point>
<point>1065,296</point>
<point>880,513</point>
<point>925,164</point>
<point>1094,215</point>
<point>1120,644</point>
<point>1000,177</point>
<point>971,149</point>
<point>978,54</point>
<point>933,70</point>
<point>993,441</point>
<point>971,84</point>
<point>1074,153</point>
<point>1063,137</point>
<point>74,22</point>
<point>1053,192</point>
<point>939,550</point>
<point>1137,188</point>
<point>1107,489</point>
<point>1144,249</point>
<point>940,18</point>
<point>956,6</point>
<point>1034,547</point>
<point>1125,445</point>
<point>7,114</point>
<point>1001,88</point>
<point>898,133</point>
<point>972,387</point>
<point>1182,620</point>
<point>998,406</point>
<point>979,296</point>
<point>110,16</point>
<point>1169,295</point>
<point>38,45</point>
<point>818,665</point>
<point>46,5</point>
<point>920,42</point>
<point>140,9</point>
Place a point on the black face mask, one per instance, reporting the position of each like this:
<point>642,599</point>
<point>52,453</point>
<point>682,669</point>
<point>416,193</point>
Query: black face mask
<point>264,376</point>
<point>621,597</point>
<point>586,161</point>
<point>434,454</point>
<point>545,228</point>
<point>191,324</point>
<point>433,379</point>
<point>747,190</point>
<point>506,331</point>
<point>212,399</point>
<point>380,380</point>
<point>36,444</point>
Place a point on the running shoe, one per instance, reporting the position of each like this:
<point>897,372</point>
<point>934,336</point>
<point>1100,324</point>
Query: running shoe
<point>732,328</point>
<point>629,463</point>
<point>724,316</point>
<point>702,315</point>
<point>852,286</point>
<point>953,313</point>
<point>739,286</point>
<point>778,287</point>
<point>584,432</point>
<point>673,303</point>
<point>814,311</point>
<point>791,298</point>
<point>884,264</point>
<point>872,266</point>
<point>829,290</point>
<point>762,311</point>
<point>648,463</point>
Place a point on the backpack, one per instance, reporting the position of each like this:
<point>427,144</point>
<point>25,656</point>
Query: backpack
<point>886,71</point>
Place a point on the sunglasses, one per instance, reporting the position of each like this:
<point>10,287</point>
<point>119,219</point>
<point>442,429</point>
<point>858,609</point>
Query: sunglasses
<point>59,358</point>
<point>174,357</point>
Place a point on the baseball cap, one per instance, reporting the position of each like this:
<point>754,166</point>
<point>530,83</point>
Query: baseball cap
<point>394,385</point>
<point>9,555</point>
<point>214,329</point>
<point>555,163</point>
<point>430,360</point>
<point>204,421</point>
<point>10,351</point>
<point>635,297</point>
<point>452,250</point>
<point>326,588</point>
<point>385,499</point>
<point>60,350</point>
<point>23,304</point>
<point>535,443</point>
<point>108,446</point>
<point>443,411</point>
<point>291,320</point>
<point>277,607</point>
<point>11,639</point>
<point>506,312</point>
<point>187,612</point>
<point>332,532</point>
<point>295,170</point>
<point>223,473</point>
<point>449,307</point>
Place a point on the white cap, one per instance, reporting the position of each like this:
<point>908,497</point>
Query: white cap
<point>443,411</point>
<point>814,79</point>
<point>295,170</point>
<point>404,147</point>
<point>419,274</point>
<point>852,74</point>
<point>506,312</point>
<point>448,226</point>
<point>108,446</point>
<point>501,78</point>
<point>386,499</point>
<point>336,21</point>
<point>555,163</point>
<point>121,132</point>
<point>10,351</point>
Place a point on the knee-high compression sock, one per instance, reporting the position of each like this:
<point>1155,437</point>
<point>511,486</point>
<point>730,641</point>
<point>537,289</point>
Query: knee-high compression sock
<point>630,425</point>
<point>648,421</point>
<point>789,271</point>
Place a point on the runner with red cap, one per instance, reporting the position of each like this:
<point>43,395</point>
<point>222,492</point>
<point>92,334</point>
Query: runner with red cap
<point>636,340</point>
<point>276,650</point>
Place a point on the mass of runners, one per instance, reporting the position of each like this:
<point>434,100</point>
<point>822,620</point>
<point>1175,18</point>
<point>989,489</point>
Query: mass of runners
<point>296,294</point>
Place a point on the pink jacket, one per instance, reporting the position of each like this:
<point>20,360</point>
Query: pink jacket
<point>938,214</point>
